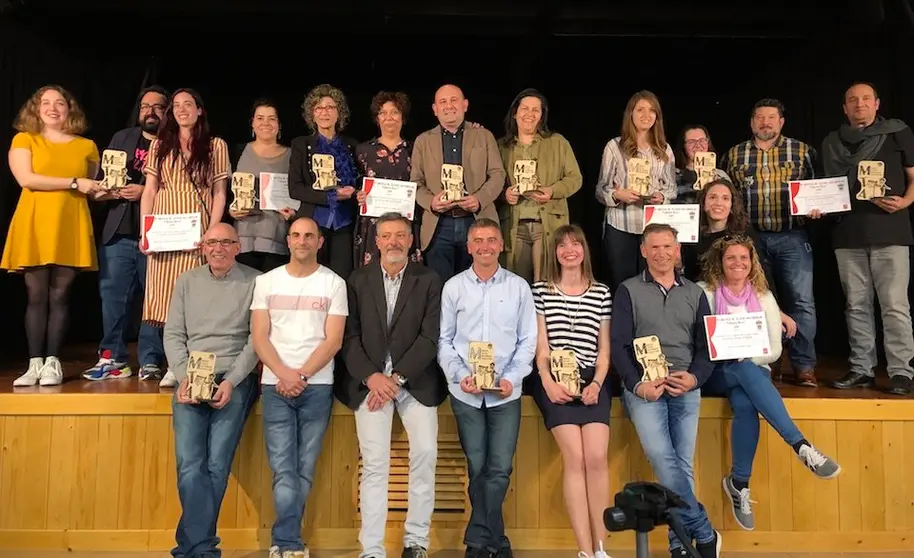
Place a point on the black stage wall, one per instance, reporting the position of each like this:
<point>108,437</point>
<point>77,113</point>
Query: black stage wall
<point>707,67</point>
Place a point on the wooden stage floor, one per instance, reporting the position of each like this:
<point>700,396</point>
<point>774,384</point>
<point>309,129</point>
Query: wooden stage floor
<point>90,467</point>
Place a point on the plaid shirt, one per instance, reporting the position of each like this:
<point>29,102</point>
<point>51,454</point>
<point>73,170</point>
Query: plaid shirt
<point>764,178</point>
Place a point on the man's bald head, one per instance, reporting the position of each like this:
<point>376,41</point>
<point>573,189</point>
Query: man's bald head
<point>450,106</point>
<point>220,246</point>
<point>221,230</point>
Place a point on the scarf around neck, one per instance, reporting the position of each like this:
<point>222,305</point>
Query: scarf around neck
<point>839,160</point>
<point>724,299</point>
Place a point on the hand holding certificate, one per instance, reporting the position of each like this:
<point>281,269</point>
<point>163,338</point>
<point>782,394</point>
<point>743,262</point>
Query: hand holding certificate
<point>682,217</point>
<point>737,336</point>
<point>823,195</point>
<point>171,233</point>
<point>388,196</point>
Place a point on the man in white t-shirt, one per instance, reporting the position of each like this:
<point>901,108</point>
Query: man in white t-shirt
<point>297,322</point>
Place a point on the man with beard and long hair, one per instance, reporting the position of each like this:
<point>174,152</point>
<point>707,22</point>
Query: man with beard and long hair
<point>122,266</point>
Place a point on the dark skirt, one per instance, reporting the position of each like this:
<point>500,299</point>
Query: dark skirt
<point>366,249</point>
<point>573,412</point>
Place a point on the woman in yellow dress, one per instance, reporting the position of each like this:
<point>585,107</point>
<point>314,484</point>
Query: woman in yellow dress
<point>50,238</point>
<point>187,171</point>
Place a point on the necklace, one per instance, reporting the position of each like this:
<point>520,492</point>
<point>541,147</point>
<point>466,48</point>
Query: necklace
<point>577,309</point>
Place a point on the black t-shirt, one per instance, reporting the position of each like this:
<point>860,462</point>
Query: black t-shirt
<point>136,164</point>
<point>868,226</point>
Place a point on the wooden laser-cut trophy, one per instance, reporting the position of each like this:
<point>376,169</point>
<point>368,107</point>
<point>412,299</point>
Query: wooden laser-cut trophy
<point>649,355</point>
<point>201,376</point>
<point>564,368</point>
<point>324,170</point>
<point>705,165</point>
<point>525,179</point>
<point>114,165</point>
<point>243,191</point>
<point>639,176</point>
<point>482,364</point>
<point>452,182</point>
<point>871,175</point>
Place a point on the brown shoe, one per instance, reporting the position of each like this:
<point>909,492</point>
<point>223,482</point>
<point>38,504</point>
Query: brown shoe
<point>807,378</point>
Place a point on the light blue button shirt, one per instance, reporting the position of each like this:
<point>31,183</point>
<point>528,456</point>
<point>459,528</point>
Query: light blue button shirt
<point>499,311</point>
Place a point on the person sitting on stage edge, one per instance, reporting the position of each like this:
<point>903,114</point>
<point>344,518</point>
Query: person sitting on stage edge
<point>389,350</point>
<point>299,313</point>
<point>735,284</point>
<point>209,313</point>
<point>664,410</point>
<point>487,303</point>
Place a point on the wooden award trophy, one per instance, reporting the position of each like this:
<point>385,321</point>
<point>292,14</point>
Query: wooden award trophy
<point>649,355</point>
<point>705,165</point>
<point>482,363</point>
<point>639,177</point>
<point>565,371</point>
<point>243,191</point>
<point>201,376</point>
<point>324,172</point>
<point>525,179</point>
<point>871,175</point>
<point>114,165</point>
<point>452,182</point>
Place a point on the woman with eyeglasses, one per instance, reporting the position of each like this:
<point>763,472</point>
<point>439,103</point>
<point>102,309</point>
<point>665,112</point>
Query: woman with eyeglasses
<point>735,284</point>
<point>262,232</point>
<point>693,139</point>
<point>573,313</point>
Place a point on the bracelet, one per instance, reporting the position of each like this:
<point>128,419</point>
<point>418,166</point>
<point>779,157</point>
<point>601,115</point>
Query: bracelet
<point>598,382</point>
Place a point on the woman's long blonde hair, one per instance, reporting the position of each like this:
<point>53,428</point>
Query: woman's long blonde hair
<point>574,233</point>
<point>29,118</point>
<point>712,262</point>
<point>656,136</point>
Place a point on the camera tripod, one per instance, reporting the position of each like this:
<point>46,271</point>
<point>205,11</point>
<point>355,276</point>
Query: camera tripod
<point>641,507</point>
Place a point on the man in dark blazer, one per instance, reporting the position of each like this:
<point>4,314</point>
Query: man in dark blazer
<point>390,349</point>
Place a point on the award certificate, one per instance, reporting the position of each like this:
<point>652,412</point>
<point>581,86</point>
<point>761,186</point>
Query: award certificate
<point>171,233</point>
<point>828,195</point>
<point>388,196</point>
<point>682,217</point>
<point>737,336</point>
<point>274,192</point>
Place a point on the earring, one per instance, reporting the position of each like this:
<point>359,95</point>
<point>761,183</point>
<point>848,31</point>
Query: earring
<point>279,134</point>
<point>252,133</point>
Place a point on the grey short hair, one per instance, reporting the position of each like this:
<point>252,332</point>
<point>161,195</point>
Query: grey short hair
<point>484,223</point>
<point>391,217</point>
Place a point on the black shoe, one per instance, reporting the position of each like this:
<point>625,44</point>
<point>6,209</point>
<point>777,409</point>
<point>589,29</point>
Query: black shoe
<point>414,552</point>
<point>473,552</point>
<point>710,549</point>
<point>503,553</point>
<point>853,380</point>
<point>899,385</point>
<point>679,553</point>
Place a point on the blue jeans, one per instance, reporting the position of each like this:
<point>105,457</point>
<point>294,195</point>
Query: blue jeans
<point>489,438</point>
<point>668,429</point>
<point>447,253</point>
<point>750,391</point>
<point>121,269</point>
<point>788,256</point>
<point>205,444</point>
<point>293,429</point>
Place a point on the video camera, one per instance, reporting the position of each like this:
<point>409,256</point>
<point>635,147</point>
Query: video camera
<point>642,506</point>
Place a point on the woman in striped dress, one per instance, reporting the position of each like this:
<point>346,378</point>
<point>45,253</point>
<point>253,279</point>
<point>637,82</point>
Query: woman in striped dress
<point>187,171</point>
<point>573,313</point>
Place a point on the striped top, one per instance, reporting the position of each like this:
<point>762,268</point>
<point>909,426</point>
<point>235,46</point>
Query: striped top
<point>573,322</point>
<point>764,178</point>
<point>630,217</point>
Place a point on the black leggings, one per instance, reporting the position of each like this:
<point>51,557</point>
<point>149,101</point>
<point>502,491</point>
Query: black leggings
<point>47,313</point>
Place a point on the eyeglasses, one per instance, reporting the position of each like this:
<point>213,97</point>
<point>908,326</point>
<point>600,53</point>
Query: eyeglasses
<point>225,242</point>
<point>157,108</point>
<point>694,142</point>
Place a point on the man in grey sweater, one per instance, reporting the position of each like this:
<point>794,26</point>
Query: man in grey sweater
<point>210,313</point>
<point>664,411</point>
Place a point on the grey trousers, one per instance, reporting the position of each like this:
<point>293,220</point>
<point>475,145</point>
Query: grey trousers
<point>886,272</point>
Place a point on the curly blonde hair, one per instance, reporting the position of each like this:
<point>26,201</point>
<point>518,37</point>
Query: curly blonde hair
<point>29,118</point>
<point>712,262</point>
<point>314,97</point>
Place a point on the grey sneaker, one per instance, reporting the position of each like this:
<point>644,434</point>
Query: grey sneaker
<point>740,504</point>
<point>821,465</point>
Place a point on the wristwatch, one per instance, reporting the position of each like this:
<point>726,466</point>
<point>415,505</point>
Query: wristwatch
<point>74,185</point>
<point>400,379</point>
<point>302,377</point>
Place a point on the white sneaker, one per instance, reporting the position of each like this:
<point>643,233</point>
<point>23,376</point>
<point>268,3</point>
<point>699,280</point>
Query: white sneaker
<point>32,375</point>
<point>51,372</point>
<point>169,381</point>
<point>601,553</point>
<point>274,552</point>
<point>296,554</point>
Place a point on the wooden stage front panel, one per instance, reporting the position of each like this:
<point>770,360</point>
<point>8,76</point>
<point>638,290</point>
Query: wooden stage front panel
<point>96,471</point>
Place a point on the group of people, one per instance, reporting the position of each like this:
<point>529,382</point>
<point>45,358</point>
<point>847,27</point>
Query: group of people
<point>382,311</point>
